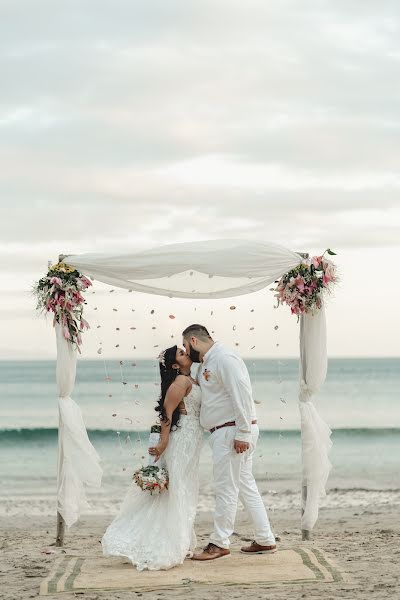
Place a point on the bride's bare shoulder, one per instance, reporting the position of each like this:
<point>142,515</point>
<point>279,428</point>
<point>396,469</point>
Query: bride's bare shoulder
<point>183,382</point>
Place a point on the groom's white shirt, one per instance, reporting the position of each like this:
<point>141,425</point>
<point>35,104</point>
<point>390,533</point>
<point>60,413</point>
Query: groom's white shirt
<point>226,391</point>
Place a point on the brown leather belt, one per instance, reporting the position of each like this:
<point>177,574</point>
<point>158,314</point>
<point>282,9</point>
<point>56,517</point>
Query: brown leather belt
<point>228,424</point>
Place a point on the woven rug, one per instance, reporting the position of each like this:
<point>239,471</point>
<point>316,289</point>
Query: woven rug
<point>294,565</point>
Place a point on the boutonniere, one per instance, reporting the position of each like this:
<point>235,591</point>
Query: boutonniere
<point>206,374</point>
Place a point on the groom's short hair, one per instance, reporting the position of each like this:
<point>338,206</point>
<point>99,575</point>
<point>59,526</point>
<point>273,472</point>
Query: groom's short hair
<point>198,331</point>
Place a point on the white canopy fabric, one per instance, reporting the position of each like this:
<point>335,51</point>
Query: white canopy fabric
<point>78,461</point>
<point>207,269</point>
<point>211,269</point>
<point>315,433</point>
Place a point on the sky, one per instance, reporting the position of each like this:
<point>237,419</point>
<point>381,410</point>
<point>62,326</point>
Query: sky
<point>127,125</point>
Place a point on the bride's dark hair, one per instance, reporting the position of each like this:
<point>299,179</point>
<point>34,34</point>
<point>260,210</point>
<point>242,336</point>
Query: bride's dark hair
<point>168,375</point>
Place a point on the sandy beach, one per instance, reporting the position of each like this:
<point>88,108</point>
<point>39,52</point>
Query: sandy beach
<point>362,543</point>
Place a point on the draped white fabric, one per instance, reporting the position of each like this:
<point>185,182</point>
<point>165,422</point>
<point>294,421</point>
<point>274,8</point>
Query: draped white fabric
<point>315,433</point>
<point>78,461</point>
<point>210,269</point>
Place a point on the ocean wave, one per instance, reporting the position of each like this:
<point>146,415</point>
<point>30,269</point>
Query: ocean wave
<point>35,433</point>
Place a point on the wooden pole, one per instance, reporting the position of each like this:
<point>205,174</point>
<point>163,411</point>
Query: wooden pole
<point>305,533</point>
<point>60,530</point>
<point>60,521</point>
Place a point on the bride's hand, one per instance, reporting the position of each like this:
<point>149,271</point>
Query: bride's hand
<point>157,451</point>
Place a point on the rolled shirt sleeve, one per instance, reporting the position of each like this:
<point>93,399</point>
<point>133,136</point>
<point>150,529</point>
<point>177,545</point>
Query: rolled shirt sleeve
<point>235,379</point>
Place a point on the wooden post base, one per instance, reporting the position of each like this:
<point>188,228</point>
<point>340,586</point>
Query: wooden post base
<point>60,531</point>
<point>305,533</point>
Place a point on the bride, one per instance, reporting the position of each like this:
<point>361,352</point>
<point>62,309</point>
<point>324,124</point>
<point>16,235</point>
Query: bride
<point>157,532</point>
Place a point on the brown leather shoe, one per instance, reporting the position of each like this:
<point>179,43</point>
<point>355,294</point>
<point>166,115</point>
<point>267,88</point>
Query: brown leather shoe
<point>255,548</point>
<point>212,552</point>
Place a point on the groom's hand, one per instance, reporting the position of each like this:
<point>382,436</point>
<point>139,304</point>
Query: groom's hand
<point>241,446</point>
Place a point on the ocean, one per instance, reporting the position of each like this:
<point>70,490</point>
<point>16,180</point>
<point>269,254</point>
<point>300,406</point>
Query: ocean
<point>359,401</point>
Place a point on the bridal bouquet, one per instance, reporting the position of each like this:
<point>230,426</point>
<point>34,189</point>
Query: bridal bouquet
<point>59,292</point>
<point>151,479</point>
<point>303,287</point>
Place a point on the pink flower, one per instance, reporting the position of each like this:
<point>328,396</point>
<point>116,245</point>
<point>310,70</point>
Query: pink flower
<point>56,281</point>
<point>85,282</point>
<point>327,279</point>
<point>313,285</point>
<point>316,261</point>
<point>299,282</point>
<point>67,335</point>
<point>330,271</point>
<point>84,324</point>
<point>78,298</point>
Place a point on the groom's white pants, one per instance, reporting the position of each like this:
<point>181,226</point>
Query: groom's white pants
<point>233,479</point>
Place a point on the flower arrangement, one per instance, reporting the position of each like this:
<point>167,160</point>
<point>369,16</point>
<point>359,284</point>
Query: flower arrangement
<point>60,292</point>
<point>303,287</point>
<point>151,479</point>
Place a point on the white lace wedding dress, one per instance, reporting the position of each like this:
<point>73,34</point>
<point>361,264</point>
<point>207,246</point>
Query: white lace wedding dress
<point>157,532</point>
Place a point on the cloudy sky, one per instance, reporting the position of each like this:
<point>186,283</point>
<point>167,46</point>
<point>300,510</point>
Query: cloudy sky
<point>131,124</point>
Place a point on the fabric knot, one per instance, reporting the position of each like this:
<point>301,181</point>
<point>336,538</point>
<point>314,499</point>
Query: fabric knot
<point>305,391</point>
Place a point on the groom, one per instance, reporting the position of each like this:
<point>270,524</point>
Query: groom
<point>228,413</point>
